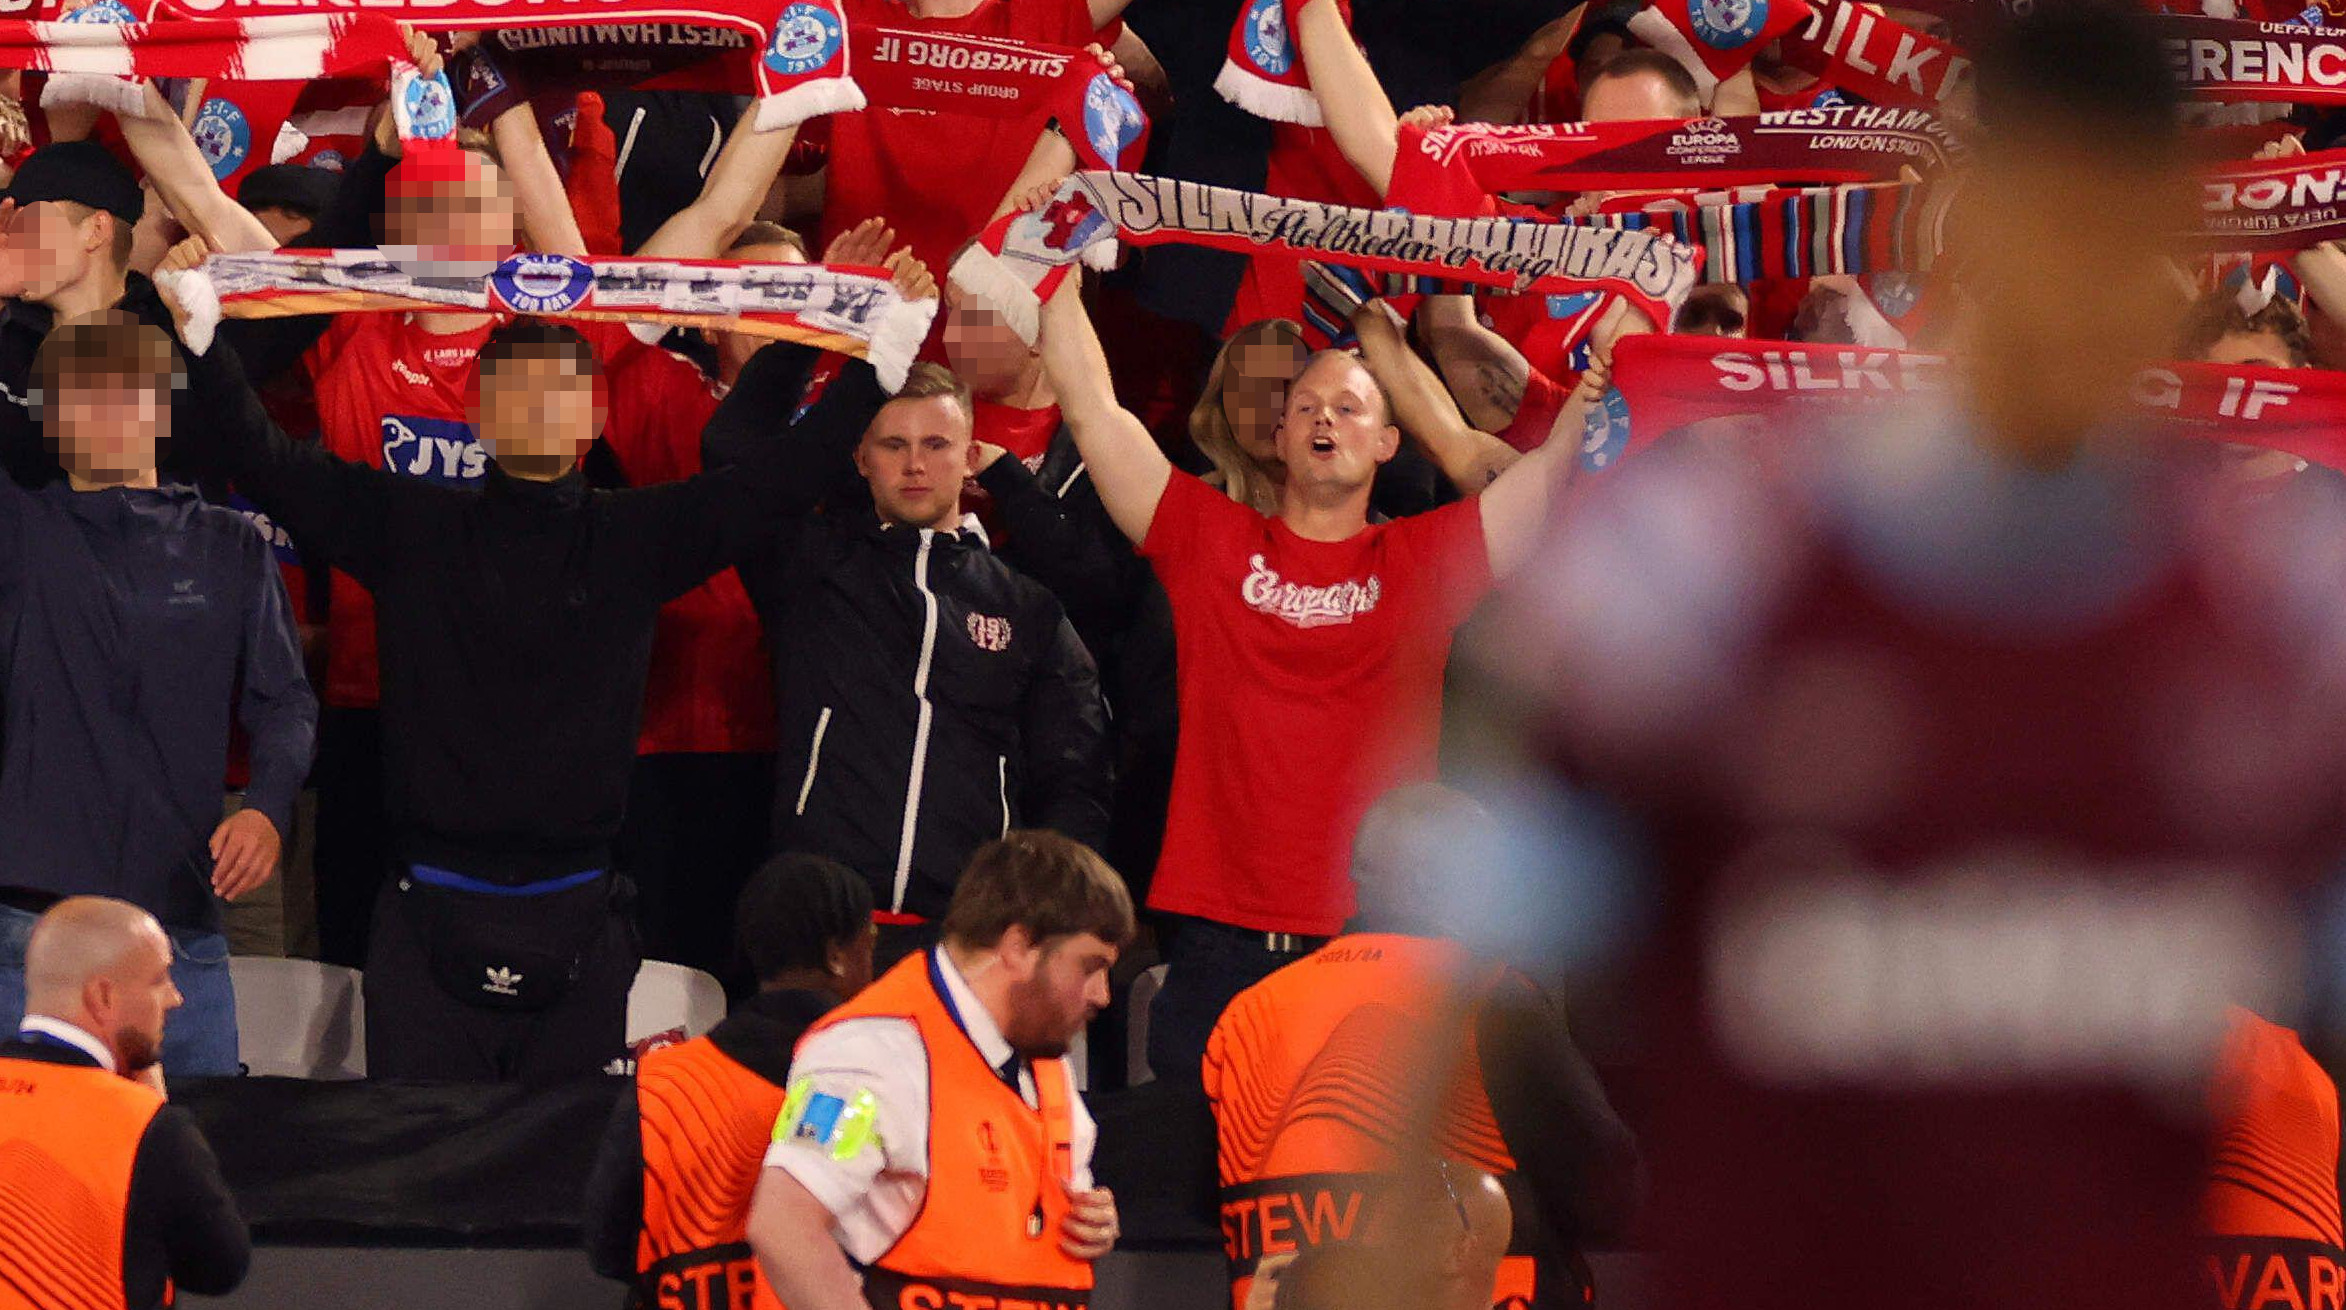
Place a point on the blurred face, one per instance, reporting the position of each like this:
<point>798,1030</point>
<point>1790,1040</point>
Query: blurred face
<point>916,455</point>
<point>983,349</point>
<point>1255,380</point>
<point>1716,311</point>
<point>129,1001</point>
<point>1055,990</point>
<point>1628,99</point>
<point>472,218</point>
<point>735,348</point>
<point>538,414</point>
<point>108,430</point>
<point>2062,252</point>
<point>1337,430</point>
<point>2257,349</point>
<point>63,250</point>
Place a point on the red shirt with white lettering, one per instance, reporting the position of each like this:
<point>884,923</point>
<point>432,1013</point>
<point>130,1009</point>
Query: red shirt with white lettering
<point>392,396</point>
<point>936,177</point>
<point>1310,683</point>
<point>711,688</point>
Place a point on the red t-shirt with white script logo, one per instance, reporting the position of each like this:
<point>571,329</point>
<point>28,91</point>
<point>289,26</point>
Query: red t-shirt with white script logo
<point>1310,682</point>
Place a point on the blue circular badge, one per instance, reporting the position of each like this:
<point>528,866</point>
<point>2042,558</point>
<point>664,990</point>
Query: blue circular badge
<point>330,160</point>
<point>805,38</point>
<point>104,11</point>
<point>1266,36</point>
<point>1604,433</point>
<point>1111,119</point>
<point>1728,24</point>
<point>223,134</point>
<point>1893,293</point>
<point>431,108</point>
<point>541,284</point>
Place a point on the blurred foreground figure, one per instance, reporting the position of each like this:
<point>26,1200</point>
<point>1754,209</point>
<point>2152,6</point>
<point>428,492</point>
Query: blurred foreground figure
<point>1982,751</point>
<point>2272,1200</point>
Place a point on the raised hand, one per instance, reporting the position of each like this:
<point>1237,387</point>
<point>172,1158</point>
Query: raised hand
<point>865,245</point>
<point>912,277</point>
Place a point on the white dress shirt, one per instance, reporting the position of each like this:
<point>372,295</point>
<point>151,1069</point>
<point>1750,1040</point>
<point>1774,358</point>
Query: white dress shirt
<point>79,1038</point>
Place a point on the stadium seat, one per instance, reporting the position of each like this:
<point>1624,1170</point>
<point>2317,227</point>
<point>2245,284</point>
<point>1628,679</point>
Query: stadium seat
<point>669,996</point>
<point>1136,1047</point>
<point>298,1018</point>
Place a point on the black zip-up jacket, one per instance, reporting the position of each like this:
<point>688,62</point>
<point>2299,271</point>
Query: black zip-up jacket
<point>515,622</point>
<point>930,697</point>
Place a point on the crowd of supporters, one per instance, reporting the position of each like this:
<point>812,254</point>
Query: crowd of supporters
<point>492,654</point>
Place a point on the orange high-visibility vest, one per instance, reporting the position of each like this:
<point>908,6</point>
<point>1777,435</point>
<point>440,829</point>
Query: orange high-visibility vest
<point>987,1236</point>
<point>706,1124</point>
<point>2271,1209</point>
<point>1307,1070</point>
<point>68,1137</point>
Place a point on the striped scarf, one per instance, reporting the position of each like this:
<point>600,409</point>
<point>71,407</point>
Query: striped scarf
<point>855,311</point>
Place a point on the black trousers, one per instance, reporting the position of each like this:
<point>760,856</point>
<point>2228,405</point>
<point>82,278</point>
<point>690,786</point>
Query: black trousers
<point>416,1029</point>
<point>349,854</point>
<point>1209,964</point>
<point>695,831</point>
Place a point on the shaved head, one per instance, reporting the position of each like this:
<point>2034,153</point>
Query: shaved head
<point>1404,860</point>
<point>104,966</point>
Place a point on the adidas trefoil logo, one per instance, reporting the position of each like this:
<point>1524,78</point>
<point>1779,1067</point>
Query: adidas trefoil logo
<point>502,982</point>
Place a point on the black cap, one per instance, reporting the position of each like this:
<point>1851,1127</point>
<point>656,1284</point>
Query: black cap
<point>298,188</point>
<point>83,172</point>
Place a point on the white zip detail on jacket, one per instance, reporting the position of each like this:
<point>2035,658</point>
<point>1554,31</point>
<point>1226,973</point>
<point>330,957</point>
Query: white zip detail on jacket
<point>1002,777</point>
<point>920,732</point>
<point>814,757</point>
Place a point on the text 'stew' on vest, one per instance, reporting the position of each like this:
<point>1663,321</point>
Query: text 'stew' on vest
<point>68,1138</point>
<point>706,1121</point>
<point>987,1236</point>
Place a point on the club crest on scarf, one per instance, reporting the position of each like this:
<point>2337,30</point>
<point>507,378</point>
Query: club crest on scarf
<point>104,11</point>
<point>431,108</point>
<point>1266,37</point>
<point>223,134</point>
<point>806,38</point>
<point>542,284</point>
<point>1604,431</point>
<point>1112,119</point>
<point>1728,24</point>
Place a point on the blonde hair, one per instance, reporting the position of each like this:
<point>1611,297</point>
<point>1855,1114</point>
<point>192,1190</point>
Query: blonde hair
<point>1235,472</point>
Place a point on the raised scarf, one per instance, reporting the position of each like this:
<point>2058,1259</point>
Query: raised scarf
<point>802,69</point>
<point>1845,143</point>
<point>1715,39</point>
<point>1020,259</point>
<point>1664,383</point>
<point>1262,72</point>
<point>855,311</point>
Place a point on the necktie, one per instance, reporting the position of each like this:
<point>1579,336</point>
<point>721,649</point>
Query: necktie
<point>1009,1070</point>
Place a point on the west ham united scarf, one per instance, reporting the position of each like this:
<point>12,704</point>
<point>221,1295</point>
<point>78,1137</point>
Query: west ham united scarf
<point>1664,383</point>
<point>802,68</point>
<point>850,310</point>
<point>1845,143</point>
<point>1021,259</point>
<point>2227,59</point>
<point>1715,39</point>
<point>1799,232</point>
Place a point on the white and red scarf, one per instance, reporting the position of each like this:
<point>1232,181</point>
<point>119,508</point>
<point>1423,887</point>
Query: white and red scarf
<point>1715,39</point>
<point>1843,143</point>
<point>1263,72</point>
<point>1020,259</point>
<point>2234,60</point>
<point>1001,77</point>
<point>2280,204</point>
<point>855,311</point>
<point>1665,383</point>
<point>1869,54</point>
<point>802,70</point>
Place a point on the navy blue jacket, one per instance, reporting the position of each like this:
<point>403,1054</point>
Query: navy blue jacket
<point>131,623</point>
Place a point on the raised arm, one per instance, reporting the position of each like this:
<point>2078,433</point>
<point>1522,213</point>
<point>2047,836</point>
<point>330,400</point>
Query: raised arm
<point>1471,459</point>
<point>1484,371</point>
<point>172,161</point>
<point>541,200</point>
<point>729,200</point>
<point>1352,101</point>
<point>1516,504</point>
<point>1125,463</point>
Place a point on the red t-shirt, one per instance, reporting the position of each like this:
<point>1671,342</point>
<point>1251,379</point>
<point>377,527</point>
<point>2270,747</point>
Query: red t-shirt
<point>1306,165</point>
<point>711,688</point>
<point>937,177</point>
<point>392,396</point>
<point>1310,683</point>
